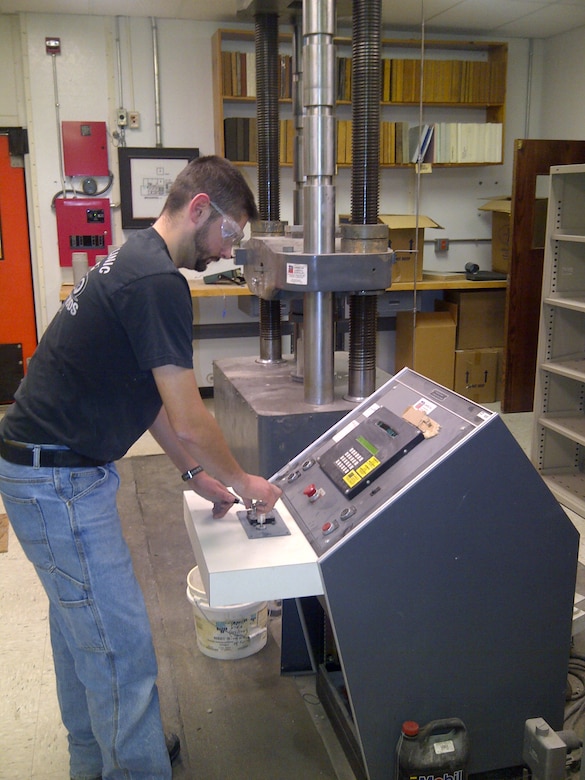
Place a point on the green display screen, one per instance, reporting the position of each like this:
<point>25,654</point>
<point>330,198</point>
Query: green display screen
<point>368,445</point>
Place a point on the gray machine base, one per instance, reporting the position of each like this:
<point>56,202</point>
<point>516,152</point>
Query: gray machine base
<point>263,414</point>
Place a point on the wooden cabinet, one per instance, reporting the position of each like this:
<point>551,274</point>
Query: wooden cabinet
<point>558,444</point>
<point>463,92</point>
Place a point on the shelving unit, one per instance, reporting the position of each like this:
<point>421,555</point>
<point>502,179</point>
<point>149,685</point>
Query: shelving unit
<point>464,83</point>
<point>558,443</point>
<point>231,106</point>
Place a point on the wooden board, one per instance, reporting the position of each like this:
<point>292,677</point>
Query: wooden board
<point>3,533</point>
<point>532,158</point>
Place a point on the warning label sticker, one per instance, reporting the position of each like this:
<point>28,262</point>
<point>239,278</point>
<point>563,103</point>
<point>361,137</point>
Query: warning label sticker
<point>297,273</point>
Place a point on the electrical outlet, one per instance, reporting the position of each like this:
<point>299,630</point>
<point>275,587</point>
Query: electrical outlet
<point>53,45</point>
<point>134,120</point>
<point>441,244</point>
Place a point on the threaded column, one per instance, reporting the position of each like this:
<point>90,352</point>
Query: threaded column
<point>363,318</point>
<point>366,88</point>
<point>270,332</point>
<point>266,43</point>
<point>266,48</point>
<point>365,183</point>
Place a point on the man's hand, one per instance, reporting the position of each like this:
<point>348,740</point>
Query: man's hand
<point>258,489</point>
<point>213,490</point>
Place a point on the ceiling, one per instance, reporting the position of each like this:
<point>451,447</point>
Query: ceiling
<point>505,18</point>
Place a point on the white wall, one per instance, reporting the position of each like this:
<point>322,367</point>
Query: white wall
<point>77,86</point>
<point>83,82</point>
<point>88,89</point>
<point>11,84</point>
<point>563,94</point>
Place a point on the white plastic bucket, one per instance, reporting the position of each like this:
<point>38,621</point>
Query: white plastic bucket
<point>230,632</point>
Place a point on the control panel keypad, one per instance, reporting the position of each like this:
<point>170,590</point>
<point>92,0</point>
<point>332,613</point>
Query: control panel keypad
<point>349,461</point>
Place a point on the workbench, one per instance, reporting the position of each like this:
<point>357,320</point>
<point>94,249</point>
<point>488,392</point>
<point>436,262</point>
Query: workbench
<point>199,290</point>
<point>430,281</point>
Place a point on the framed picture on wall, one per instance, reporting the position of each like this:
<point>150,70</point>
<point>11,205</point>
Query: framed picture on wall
<point>146,176</point>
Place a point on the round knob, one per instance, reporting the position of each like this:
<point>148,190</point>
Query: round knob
<point>410,728</point>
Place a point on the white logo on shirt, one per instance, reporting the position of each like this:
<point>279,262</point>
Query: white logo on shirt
<point>107,264</point>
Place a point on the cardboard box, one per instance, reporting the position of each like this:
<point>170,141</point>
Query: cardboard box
<point>434,344</point>
<point>476,374</point>
<point>500,376</point>
<point>479,315</point>
<point>403,240</point>
<point>501,209</point>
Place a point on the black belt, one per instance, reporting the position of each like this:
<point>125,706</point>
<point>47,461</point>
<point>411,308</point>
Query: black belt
<point>37,455</point>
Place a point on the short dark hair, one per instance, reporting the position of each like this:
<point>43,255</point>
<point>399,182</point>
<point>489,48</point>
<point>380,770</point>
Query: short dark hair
<point>219,179</point>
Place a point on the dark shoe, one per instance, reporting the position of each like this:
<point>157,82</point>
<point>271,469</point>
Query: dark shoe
<point>97,777</point>
<point>173,744</point>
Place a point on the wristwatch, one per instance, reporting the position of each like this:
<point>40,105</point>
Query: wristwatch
<point>190,473</point>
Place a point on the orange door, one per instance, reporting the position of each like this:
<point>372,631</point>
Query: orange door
<point>18,334</point>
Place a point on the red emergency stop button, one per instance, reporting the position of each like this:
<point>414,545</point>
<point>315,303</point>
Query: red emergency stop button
<point>310,490</point>
<point>327,528</point>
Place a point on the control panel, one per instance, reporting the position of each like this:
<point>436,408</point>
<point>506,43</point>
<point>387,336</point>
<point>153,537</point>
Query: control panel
<point>83,225</point>
<point>85,148</point>
<point>364,461</point>
<point>367,449</point>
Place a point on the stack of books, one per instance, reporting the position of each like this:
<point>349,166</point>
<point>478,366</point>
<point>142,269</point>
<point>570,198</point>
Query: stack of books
<point>400,143</point>
<point>239,74</point>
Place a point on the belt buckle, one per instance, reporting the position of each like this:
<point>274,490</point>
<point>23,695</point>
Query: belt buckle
<point>36,461</point>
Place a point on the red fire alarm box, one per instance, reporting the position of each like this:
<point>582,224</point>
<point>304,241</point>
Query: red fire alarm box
<point>83,225</point>
<point>85,148</point>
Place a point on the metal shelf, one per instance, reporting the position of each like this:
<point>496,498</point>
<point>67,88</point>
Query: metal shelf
<point>575,301</point>
<point>569,425</point>
<point>558,443</point>
<point>569,490</point>
<point>573,368</point>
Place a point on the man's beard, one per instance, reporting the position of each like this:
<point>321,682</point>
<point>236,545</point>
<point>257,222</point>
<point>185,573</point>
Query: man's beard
<point>202,256</point>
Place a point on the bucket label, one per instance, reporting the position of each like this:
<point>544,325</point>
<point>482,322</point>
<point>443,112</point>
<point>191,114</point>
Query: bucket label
<point>217,636</point>
<point>446,746</point>
<point>457,775</point>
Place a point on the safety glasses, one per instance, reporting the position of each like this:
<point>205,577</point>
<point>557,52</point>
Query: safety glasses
<point>230,230</point>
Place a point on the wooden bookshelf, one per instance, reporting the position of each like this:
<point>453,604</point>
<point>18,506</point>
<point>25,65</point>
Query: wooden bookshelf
<point>468,78</point>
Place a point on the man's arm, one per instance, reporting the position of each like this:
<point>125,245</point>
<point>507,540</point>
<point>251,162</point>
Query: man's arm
<point>203,483</point>
<point>200,436</point>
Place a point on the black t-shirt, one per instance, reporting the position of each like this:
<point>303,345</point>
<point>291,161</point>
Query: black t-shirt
<point>89,385</point>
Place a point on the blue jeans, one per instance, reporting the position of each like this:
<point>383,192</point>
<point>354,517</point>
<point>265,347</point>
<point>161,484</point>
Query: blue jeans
<point>67,522</point>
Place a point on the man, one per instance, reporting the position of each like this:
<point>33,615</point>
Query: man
<point>115,361</point>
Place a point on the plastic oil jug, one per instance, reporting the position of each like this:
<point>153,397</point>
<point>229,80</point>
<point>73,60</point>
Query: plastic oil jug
<point>437,751</point>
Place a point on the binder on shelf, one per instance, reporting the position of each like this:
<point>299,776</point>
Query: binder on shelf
<point>419,137</point>
<point>251,74</point>
<point>230,135</point>
<point>402,148</point>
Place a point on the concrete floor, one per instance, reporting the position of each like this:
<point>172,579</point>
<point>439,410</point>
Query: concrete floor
<point>238,720</point>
